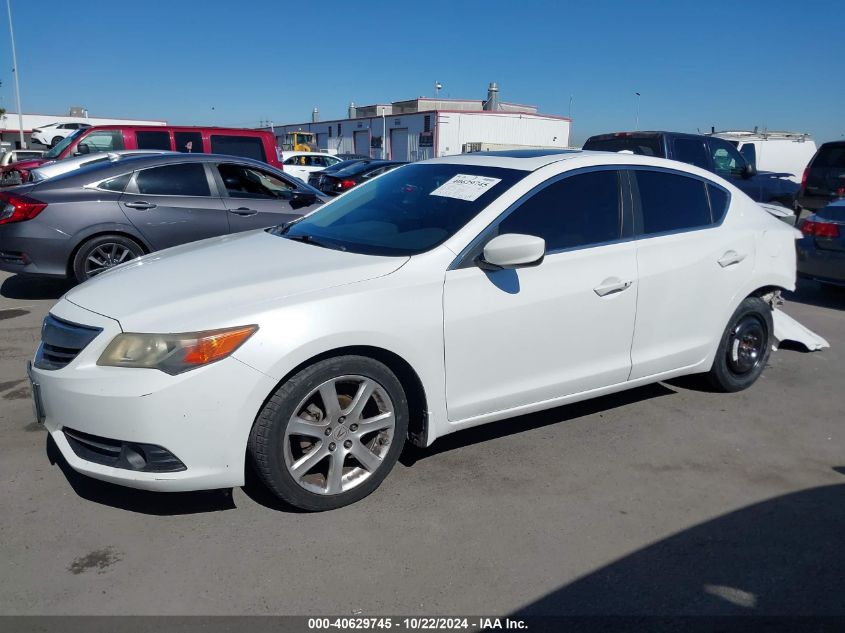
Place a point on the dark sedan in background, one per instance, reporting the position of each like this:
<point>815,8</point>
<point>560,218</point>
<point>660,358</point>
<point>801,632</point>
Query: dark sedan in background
<point>821,252</point>
<point>316,177</point>
<point>336,182</point>
<point>84,222</point>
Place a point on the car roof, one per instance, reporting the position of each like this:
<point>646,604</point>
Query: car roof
<point>575,159</point>
<point>107,169</point>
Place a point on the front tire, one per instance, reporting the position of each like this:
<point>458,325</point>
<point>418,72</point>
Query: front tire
<point>331,434</point>
<point>101,253</point>
<point>744,348</point>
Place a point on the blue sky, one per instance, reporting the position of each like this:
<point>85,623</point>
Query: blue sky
<point>729,64</point>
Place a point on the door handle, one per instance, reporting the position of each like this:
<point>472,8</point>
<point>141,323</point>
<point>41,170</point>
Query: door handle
<point>612,285</point>
<point>243,212</point>
<point>140,205</point>
<point>730,258</point>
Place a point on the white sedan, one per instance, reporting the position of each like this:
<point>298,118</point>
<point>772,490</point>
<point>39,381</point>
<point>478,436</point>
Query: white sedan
<point>302,164</point>
<point>442,295</point>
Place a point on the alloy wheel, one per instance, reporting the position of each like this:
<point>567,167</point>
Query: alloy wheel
<point>339,434</point>
<point>106,256</point>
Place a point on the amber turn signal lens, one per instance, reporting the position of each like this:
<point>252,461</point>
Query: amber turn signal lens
<point>213,347</point>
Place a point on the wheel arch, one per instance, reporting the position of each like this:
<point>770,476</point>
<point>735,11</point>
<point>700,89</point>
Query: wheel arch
<point>122,231</point>
<point>418,422</point>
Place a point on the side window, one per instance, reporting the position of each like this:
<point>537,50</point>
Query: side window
<point>577,211</point>
<point>291,161</point>
<point>153,140</point>
<point>184,179</point>
<point>188,142</point>
<point>727,161</point>
<point>245,146</point>
<point>671,202</point>
<point>103,141</point>
<point>718,202</point>
<point>118,183</point>
<point>749,153</point>
<point>246,182</point>
<point>692,151</point>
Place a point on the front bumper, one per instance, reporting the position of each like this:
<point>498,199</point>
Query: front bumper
<point>202,417</point>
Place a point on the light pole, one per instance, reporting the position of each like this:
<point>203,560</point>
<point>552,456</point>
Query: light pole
<point>637,125</point>
<point>437,88</point>
<point>15,70</point>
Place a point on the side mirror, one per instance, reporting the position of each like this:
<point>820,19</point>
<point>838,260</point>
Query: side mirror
<point>749,171</point>
<point>512,250</point>
<point>82,148</point>
<point>301,199</point>
<point>286,194</point>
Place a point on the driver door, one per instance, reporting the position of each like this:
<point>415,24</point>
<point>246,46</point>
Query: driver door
<point>515,337</point>
<point>255,198</point>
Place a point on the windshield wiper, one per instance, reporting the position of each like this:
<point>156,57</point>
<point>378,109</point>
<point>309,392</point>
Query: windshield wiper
<point>310,239</point>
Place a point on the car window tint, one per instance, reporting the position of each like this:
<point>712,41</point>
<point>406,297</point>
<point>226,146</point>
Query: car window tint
<point>577,211</point>
<point>692,151</point>
<point>727,161</point>
<point>718,202</point>
<point>830,156</point>
<point>671,202</point>
<point>188,142</point>
<point>185,179</point>
<point>103,141</point>
<point>291,161</point>
<point>245,146</point>
<point>118,183</point>
<point>246,182</point>
<point>152,140</point>
<point>749,153</point>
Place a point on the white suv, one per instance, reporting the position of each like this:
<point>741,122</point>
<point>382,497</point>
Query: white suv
<point>54,132</point>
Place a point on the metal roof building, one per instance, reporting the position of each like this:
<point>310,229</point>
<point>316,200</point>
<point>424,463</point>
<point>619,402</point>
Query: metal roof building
<point>417,129</point>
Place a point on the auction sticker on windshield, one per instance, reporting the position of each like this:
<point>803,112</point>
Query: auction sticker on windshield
<point>465,187</point>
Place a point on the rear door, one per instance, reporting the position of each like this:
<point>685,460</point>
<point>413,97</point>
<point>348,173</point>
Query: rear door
<point>173,204</point>
<point>255,198</point>
<point>689,268</point>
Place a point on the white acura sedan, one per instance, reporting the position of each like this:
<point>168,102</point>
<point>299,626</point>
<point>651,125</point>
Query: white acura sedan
<point>439,296</point>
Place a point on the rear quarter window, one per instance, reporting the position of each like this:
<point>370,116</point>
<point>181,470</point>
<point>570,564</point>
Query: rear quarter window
<point>244,146</point>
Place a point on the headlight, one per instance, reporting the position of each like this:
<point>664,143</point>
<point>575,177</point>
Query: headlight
<point>174,353</point>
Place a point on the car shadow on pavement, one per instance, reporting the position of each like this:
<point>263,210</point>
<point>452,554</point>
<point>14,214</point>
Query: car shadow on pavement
<point>34,288</point>
<point>140,501</point>
<point>812,293</point>
<point>510,426</point>
<point>782,556</point>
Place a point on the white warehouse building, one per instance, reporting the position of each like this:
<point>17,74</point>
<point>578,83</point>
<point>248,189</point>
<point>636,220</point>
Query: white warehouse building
<point>423,128</point>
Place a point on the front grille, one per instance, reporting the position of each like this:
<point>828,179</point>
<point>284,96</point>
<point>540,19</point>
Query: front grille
<point>148,458</point>
<point>61,342</point>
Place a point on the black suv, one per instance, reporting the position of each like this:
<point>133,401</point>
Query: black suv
<point>824,178</point>
<point>710,153</point>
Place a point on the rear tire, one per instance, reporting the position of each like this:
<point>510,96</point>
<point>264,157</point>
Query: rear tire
<point>102,253</point>
<point>56,140</point>
<point>744,348</point>
<point>331,434</point>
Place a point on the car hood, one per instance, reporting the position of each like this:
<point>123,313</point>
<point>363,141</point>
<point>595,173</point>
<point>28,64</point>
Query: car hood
<point>215,282</point>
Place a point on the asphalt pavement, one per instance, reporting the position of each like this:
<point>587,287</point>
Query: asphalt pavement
<point>666,499</point>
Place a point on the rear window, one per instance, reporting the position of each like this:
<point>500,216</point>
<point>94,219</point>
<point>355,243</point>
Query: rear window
<point>245,146</point>
<point>152,140</point>
<point>671,202</point>
<point>643,145</point>
<point>830,156</point>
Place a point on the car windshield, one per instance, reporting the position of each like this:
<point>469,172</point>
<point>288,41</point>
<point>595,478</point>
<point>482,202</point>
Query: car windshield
<point>407,211</point>
<point>61,145</point>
